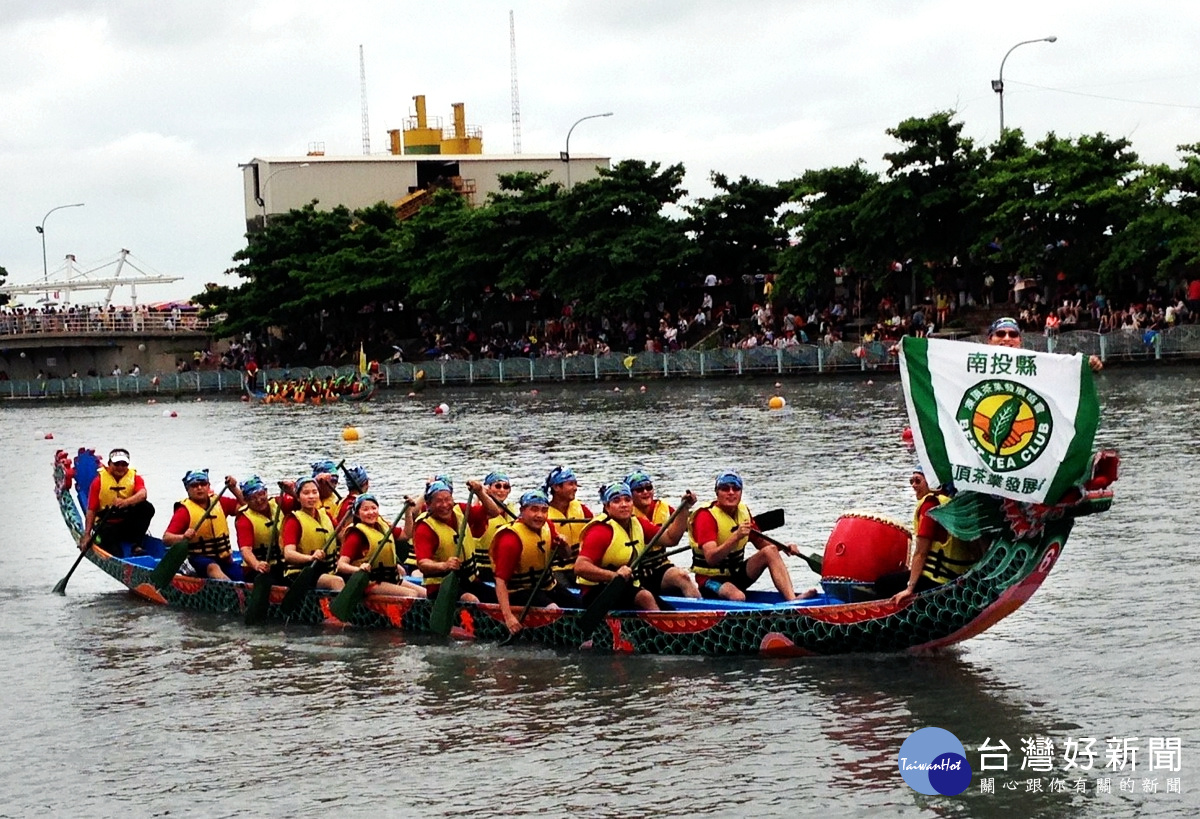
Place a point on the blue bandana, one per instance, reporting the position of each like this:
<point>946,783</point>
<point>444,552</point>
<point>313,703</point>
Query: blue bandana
<point>435,487</point>
<point>558,476</point>
<point>253,484</point>
<point>730,478</point>
<point>194,477</point>
<point>356,478</point>
<point>324,466</point>
<point>535,497</point>
<point>363,498</point>
<point>301,481</point>
<point>638,478</point>
<point>1004,323</point>
<point>495,477</point>
<point>613,491</point>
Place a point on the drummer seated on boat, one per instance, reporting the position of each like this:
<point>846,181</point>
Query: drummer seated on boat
<point>937,556</point>
<point>256,527</point>
<point>122,491</point>
<point>206,530</point>
<point>439,547</point>
<point>307,534</point>
<point>522,551</point>
<point>364,549</point>
<point>613,541</point>
<point>720,532</point>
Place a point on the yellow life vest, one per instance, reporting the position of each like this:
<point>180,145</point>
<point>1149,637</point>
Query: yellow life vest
<point>726,526</point>
<point>447,547</point>
<point>660,513</point>
<point>570,532</point>
<point>112,490</point>
<point>535,551</point>
<point>383,567</point>
<point>264,531</point>
<point>212,530</point>
<point>332,505</point>
<point>623,547</point>
<point>483,543</point>
<point>314,534</point>
<point>949,558</point>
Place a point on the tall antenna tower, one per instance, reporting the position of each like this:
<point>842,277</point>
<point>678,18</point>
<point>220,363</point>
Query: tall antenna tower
<point>362,79</point>
<point>516,100</point>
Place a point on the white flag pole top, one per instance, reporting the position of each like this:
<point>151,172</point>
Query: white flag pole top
<point>961,397</point>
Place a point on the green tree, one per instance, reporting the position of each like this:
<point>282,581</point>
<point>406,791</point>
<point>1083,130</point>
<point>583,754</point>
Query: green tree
<point>737,232</point>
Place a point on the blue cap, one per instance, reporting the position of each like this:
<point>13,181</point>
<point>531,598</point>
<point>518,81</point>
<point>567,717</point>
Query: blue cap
<point>495,477</point>
<point>319,467</point>
<point>444,479</point>
<point>303,480</point>
<point>535,497</point>
<point>612,491</point>
<point>1003,323</point>
<point>729,477</point>
<point>195,476</point>
<point>433,487</point>
<point>637,478</point>
<point>363,498</point>
<point>558,476</point>
<point>356,477</point>
<point>253,484</point>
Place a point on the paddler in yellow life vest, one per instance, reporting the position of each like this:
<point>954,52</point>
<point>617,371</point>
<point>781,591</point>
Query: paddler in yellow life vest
<point>938,557</point>
<point>569,516</point>
<point>614,540</point>
<point>521,551</point>
<point>720,532</point>
<point>307,533</point>
<point>361,550</point>
<point>327,480</point>
<point>122,491</point>
<point>206,530</point>
<point>656,572</point>
<point>498,487</point>
<point>257,528</point>
<point>436,540</point>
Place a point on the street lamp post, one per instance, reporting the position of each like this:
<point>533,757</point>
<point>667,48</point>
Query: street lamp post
<point>998,85</point>
<point>262,190</point>
<point>565,156</point>
<point>42,230</point>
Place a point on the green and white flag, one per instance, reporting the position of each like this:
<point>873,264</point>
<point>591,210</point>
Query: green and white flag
<point>999,420</point>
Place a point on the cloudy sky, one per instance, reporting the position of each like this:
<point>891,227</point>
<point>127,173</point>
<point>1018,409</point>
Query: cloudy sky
<point>142,109</point>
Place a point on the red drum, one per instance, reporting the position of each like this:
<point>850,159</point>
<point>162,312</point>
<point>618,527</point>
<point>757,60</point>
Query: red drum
<point>862,548</point>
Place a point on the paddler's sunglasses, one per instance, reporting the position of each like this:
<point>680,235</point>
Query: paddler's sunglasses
<point>728,487</point>
<point>1006,334</point>
<point>644,487</point>
<point>501,485</point>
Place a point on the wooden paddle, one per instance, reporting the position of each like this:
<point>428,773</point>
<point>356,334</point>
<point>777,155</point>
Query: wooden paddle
<point>768,520</point>
<point>352,594</point>
<point>260,595</point>
<point>608,597</point>
<point>815,562</point>
<point>168,567</point>
<point>442,616</point>
<point>306,580</point>
<point>61,586</point>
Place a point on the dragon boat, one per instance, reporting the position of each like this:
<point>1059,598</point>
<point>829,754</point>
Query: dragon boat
<point>1024,543</point>
<point>361,388</point>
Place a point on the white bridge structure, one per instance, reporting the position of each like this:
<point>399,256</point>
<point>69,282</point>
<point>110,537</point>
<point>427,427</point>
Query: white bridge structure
<point>120,271</point>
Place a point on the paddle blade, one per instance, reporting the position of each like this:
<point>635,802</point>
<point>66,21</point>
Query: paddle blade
<point>441,619</point>
<point>604,602</point>
<point>349,597</point>
<point>770,519</point>
<point>305,582</point>
<point>815,562</point>
<point>168,567</point>
<point>260,599</point>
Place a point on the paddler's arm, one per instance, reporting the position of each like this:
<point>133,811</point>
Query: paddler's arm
<point>713,546</point>
<point>489,503</point>
<point>596,541</point>
<point>678,527</point>
<point>179,528</point>
<point>920,553</point>
<point>505,550</point>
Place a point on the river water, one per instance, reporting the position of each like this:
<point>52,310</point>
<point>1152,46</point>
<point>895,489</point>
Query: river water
<point>112,706</point>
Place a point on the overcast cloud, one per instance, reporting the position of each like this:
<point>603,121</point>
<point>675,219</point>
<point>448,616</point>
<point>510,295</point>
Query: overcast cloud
<point>143,109</point>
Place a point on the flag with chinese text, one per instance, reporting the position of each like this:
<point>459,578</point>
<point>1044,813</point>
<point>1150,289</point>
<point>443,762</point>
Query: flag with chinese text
<point>999,420</point>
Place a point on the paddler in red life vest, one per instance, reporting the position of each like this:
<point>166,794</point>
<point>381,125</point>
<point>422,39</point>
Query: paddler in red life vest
<point>207,532</point>
<point>119,488</point>
<point>498,487</point>
<point>255,527</point>
<point>325,473</point>
<point>719,532</point>
<point>306,537</point>
<point>561,486</point>
<point>367,531</point>
<point>656,572</point>
<point>612,541</point>
<point>435,535</point>
<point>937,558</point>
<point>520,552</point>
